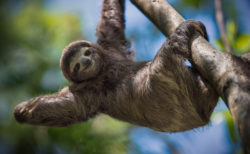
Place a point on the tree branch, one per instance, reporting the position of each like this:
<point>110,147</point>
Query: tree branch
<point>161,14</point>
<point>227,73</point>
<point>219,19</point>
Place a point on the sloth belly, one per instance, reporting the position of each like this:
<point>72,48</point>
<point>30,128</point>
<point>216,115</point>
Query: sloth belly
<point>167,107</point>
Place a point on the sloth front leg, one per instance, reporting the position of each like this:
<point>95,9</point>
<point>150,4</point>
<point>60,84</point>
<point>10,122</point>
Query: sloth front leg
<point>58,109</point>
<point>180,40</point>
<point>184,84</point>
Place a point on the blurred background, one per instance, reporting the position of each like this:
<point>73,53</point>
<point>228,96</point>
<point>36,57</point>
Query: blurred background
<point>32,36</point>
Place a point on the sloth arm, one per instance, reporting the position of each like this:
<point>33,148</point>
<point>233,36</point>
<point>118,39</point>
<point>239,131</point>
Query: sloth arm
<point>58,109</point>
<point>110,29</point>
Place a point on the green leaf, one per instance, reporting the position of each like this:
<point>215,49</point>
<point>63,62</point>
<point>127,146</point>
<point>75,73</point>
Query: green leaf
<point>221,46</point>
<point>231,126</point>
<point>194,3</point>
<point>243,43</point>
<point>231,31</point>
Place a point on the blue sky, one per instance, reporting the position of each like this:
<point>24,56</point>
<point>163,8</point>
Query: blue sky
<point>138,25</point>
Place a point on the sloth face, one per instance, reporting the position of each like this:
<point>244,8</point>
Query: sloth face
<point>81,60</point>
<point>84,64</point>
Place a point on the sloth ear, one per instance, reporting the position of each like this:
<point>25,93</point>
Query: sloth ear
<point>58,109</point>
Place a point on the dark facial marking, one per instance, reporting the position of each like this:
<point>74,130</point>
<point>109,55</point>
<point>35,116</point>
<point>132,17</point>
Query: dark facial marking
<point>76,68</point>
<point>87,53</point>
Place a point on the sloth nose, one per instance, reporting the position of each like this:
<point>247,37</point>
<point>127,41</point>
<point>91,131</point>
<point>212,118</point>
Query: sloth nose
<point>85,60</point>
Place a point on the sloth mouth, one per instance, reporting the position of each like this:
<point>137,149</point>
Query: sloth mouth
<point>87,65</point>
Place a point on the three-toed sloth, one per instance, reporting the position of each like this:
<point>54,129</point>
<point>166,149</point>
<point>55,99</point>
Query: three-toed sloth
<point>162,94</point>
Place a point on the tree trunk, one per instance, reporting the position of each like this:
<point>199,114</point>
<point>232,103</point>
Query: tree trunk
<point>228,74</point>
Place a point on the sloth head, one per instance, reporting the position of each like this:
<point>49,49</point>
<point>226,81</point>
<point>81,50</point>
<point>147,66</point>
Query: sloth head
<point>80,61</point>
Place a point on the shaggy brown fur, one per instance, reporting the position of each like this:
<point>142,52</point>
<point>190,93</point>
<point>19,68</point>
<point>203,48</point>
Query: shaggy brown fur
<point>162,94</point>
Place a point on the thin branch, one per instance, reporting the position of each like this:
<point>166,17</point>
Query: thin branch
<point>228,74</point>
<point>221,25</point>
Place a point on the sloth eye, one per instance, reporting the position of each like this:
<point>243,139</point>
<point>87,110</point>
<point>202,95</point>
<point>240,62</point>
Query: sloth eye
<point>87,53</point>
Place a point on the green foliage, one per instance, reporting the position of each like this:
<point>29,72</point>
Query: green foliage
<point>194,3</point>
<point>231,31</point>
<point>183,5</point>
<point>243,43</point>
<point>29,66</point>
<point>240,43</point>
<point>231,127</point>
<point>83,138</point>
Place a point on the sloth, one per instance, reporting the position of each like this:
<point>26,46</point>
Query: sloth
<point>162,94</point>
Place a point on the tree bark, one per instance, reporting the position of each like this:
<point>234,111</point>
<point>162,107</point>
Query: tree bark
<point>228,74</point>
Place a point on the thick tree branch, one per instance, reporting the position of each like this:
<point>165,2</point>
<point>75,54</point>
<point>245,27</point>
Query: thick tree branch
<point>221,25</point>
<point>161,14</point>
<point>228,74</point>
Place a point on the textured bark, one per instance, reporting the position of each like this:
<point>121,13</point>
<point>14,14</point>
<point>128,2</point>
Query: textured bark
<point>228,74</point>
